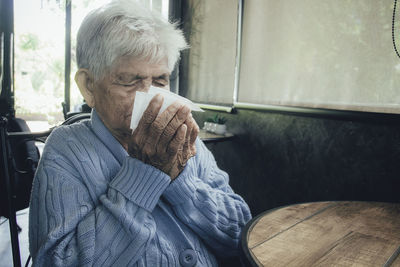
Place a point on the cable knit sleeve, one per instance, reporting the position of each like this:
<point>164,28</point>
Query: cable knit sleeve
<point>202,198</point>
<point>68,228</point>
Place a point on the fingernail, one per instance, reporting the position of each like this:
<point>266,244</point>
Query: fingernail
<point>175,107</point>
<point>159,97</point>
<point>177,104</point>
<point>184,128</point>
<point>185,109</point>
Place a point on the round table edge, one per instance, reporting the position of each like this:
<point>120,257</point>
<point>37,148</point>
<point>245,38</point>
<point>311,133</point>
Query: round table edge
<point>245,252</point>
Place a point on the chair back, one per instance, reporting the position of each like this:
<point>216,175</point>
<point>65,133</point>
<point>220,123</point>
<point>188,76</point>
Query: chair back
<point>24,158</point>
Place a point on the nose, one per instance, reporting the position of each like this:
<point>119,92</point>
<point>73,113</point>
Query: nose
<point>146,84</point>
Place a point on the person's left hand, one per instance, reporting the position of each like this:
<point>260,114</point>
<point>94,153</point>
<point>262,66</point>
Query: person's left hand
<point>188,149</point>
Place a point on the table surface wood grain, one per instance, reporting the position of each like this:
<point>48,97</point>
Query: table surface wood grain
<point>325,234</point>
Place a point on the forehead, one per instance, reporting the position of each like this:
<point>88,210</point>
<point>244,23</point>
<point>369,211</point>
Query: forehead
<point>141,67</point>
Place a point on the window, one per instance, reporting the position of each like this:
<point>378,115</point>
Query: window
<point>39,61</point>
<point>308,53</point>
<point>39,72</point>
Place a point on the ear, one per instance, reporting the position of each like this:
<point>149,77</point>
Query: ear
<point>85,82</point>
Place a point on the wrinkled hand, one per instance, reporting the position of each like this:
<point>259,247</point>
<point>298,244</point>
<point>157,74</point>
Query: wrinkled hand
<point>166,141</point>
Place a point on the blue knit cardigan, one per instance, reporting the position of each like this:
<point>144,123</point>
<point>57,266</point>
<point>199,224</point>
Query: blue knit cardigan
<point>93,205</point>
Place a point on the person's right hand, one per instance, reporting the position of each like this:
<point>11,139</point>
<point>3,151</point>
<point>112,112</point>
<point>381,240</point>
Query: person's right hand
<point>161,140</point>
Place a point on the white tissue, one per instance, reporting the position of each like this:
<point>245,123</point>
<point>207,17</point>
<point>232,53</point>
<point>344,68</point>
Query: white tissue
<point>142,100</point>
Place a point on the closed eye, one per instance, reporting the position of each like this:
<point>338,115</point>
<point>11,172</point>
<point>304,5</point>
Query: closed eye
<point>126,84</point>
<point>160,84</point>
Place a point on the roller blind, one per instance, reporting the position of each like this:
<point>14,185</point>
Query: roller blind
<point>211,29</point>
<point>320,53</point>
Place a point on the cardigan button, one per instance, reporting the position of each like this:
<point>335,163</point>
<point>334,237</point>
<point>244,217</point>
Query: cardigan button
<point>188,258</point>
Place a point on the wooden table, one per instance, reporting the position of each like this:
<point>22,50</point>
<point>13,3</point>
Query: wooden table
<point>324,234</point>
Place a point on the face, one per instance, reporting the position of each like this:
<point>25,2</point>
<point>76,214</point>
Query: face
<point>114,94</point>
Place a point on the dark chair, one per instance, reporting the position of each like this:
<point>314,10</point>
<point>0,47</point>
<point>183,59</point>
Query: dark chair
<point>19,159</point>
<point>24,157</point>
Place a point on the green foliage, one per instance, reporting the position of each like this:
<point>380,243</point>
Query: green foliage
<point>37,79</point>
<point>57,65</point>
<point>29,41</point>
<point>217,119</point>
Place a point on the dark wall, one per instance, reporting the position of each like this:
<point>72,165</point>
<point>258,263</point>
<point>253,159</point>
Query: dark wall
<point>278,159</point>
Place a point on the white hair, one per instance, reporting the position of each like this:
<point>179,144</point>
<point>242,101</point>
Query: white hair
<point>125,28</point>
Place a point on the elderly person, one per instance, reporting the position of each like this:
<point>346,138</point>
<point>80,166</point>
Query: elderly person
<point>105,196</point>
